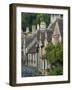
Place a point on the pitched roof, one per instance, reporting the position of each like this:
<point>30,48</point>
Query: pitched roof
<point>60,23</point>
<point>32,49</point>
<point>42,33</point>
<point>29,39</point>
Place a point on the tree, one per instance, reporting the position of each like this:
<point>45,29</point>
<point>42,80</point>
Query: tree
<point>29,19</point>
<point>54,52</point>
<point>54,56</point>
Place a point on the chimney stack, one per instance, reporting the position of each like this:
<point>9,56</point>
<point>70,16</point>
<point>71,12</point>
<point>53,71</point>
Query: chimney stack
<point>27,29</point>
<point>33,28</point>
<point>38,27</point>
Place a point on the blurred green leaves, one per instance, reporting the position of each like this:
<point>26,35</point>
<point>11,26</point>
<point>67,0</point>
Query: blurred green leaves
<point>29,19</point>
<point>54,57</point>
<point>54,52</point>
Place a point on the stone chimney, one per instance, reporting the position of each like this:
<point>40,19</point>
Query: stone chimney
<point>33,28</point>
<point>54,17</point>
<point>38,27</point>
<point>27,29</point>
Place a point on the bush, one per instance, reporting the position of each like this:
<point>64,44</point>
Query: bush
<point>54,56</point>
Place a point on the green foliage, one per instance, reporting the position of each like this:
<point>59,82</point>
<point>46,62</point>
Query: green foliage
<point>54,52</point>
<point>54,56</point>
<point>27,19</point>
<point>56,70</point>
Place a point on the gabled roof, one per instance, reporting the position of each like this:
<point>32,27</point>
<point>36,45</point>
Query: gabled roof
<point>29,39</point>
<point>60,23</point>
<point>42,33</point>
<point>32,49</point>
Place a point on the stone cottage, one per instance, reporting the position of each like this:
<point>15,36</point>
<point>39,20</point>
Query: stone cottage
<point>34,44</point>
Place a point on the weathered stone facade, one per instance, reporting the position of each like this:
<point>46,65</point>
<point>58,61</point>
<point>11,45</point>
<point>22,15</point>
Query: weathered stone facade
<point>34,44</point>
